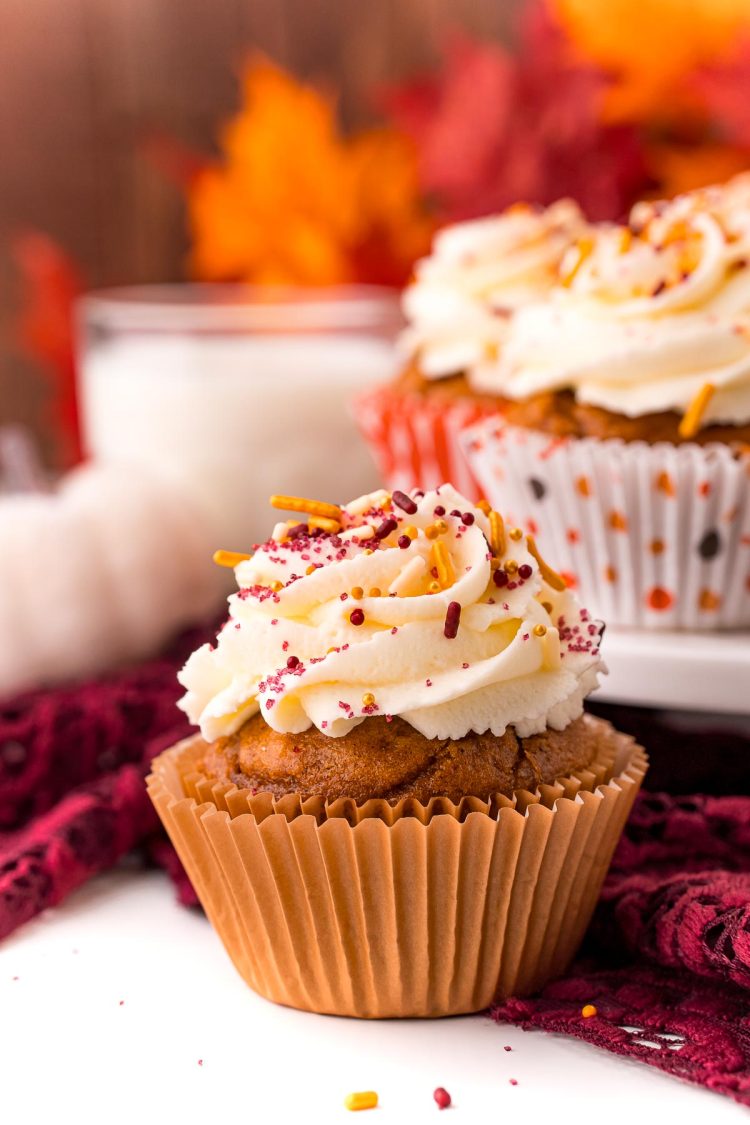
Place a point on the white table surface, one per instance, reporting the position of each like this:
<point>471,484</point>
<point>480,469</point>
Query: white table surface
<point>121,1006</point>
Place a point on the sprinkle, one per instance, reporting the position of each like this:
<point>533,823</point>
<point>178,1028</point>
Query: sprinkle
<point>411,531</point>
<point>431,531</point>
<point>368,699</point>
<point>691,421</point>
<point>364,1099</point>
<point>511,566</point>
<point>547,606</point>
<point>539,630</point>
<point>292,661</point>
<point>442,561</point>
<point>525,571</point>
<point>467,519</point>
<point>374,592</point>
<point>497,534</point>
<point>440,510</point>
<point>440,527</point>
<point>507,1048</point>
<point>323,523</point>
<point>452,619</point>
<point>587,1011</point>
<point>386,528</point>
<point>442,1097</point>
<point>230,558</point>
<point>275,586</point>
<point>484,507</point>
<point>550,576</point>
<point>433,588</point>
<point>404,541</point>
<point>357,592</point>
<point>513,1081</point>
<point>404,502</point>
<point>500,578</point>
<point>516,534</point>
<point>357,617</point>
<point>311,507</point>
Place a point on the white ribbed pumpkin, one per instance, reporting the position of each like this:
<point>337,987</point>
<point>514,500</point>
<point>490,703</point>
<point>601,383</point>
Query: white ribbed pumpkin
<point>102,571</point>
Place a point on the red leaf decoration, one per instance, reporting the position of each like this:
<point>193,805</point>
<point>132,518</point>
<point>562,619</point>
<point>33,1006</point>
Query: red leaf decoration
<point>497,127</point>
<point>51,283</point>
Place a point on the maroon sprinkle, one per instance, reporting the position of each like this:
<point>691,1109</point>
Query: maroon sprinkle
<point>385,528</point>
<point>428,683</point>
<point>500,578</point>
<point>404,502</point>
<point>357,617</point>
<point>404,541</point>
<point>452,618</point>
<point>440,510</point>
<point>525,571</point>
<point>292,661</point>
<point>464,665</point>
<point>343,597</point>
<point>200,1062</point>
<point>456,513</point>
<point>297,530</point>
<point>467,518</point>
<point>442,1097</point>
<point>394,629</point>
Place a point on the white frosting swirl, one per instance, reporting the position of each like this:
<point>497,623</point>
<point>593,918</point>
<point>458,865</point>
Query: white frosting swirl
<point>478,272</point>
<point>646,315</point>
<point>294,649</point>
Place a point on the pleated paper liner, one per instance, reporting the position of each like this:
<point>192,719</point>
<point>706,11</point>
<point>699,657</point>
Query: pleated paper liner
<point>415,438</point>
<point>649,535</point>
<point>387,910</point>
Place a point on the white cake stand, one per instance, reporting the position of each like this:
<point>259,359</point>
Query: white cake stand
<point>687,671</point>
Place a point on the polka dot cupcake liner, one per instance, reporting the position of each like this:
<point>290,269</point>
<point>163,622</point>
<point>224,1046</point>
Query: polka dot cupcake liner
<point>651,536</point>
<point>415,438</point>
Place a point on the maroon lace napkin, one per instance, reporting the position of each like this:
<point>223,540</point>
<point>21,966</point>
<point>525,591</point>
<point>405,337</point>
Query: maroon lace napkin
<point>666,961</point>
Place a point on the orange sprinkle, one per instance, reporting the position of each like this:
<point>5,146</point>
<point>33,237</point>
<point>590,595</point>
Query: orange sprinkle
<point>588,1010</point>
<point>550,576</point>
<point>364,1099</point>
<point>497,534</point>
<point>368,699</point>
<point>516,534</point>
<point>691,421</point>
<point>324,524</point>
<point>310,507</point>
<point>230,558</point>
<point>443,563</point>
<point>484,507</point>
<point>357,592</point>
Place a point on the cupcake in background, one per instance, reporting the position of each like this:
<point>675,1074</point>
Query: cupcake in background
<point>626,418</point>
<point>457,309</point>
<point>396,806</point>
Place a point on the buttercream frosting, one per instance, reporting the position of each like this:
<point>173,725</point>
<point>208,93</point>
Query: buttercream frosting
<point>404,610</point>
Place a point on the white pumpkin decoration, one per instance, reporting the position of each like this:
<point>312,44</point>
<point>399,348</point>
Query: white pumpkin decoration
<point>101,571</point>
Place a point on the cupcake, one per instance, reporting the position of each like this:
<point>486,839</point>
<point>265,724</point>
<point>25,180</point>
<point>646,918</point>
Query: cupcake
<point>625,422</point>
<point>458,309</point>
<point>396,805</point>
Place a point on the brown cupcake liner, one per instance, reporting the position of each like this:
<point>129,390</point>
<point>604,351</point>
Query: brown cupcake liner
<point>389,910</point>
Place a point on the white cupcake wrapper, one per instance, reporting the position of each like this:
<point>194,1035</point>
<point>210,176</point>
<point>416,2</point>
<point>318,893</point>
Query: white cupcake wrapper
<point>655,536</point>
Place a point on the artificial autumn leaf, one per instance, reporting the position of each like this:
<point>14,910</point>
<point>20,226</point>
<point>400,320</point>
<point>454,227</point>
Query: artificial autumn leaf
<point>495,127</point>
<point>649,47</point>
<point>51,283</point>
<point>295,202</point>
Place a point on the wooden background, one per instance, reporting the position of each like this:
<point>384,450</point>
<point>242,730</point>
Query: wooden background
<point>83,81</point>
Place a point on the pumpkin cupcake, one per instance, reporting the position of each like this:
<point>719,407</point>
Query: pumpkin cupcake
<point>395,805</point>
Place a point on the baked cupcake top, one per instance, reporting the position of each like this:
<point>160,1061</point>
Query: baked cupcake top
<point>420,606</point>
<point>478,272</point>
<point>649,317</point>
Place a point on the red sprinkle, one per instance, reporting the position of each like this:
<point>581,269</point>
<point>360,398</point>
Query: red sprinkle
<point>507,1048</point>
<point>292,661</point>
<point>452,618</point>
<point>513,1081</point>
<point>357,617</point>
<point>467,518</point>
<point>385,528</point>
<point>442,1097</point>
<point>404,541</point>
<point>404,502</point>
<point>440,510</point>
<point>525,571</point>
<point>500,578</point>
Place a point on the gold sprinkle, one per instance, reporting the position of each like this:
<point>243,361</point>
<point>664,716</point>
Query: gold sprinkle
<point>431,531</point>
<point>516,534</point>
<point>276,586</point>
<point>443,563</point>
<point>368,699</point>
<point>511,566</point>
<point>440,526</point>
<point>311,569</point>
<point>324,524</point>
<point>433,588</point>
<point>484,507</point>
<point>375,592</point>
<point>550,576</point>
<point>230,558</point>
<point>410,531</point>
<point>497,534</point>
<point>495,564</point>
<point>539,630</point>
<point>547,606</point>
<point>357,592</point>
<point>310,507</point>
<point>691,421</point>
<point>367,551</point>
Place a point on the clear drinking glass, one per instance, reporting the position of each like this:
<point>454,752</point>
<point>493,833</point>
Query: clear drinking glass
<point>236,391</point>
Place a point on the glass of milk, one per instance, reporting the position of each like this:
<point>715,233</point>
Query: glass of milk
<point>236,392</point>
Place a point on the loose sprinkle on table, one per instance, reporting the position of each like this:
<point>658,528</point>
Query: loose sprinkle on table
<point>442,1097</point>
<point>364,1099</point>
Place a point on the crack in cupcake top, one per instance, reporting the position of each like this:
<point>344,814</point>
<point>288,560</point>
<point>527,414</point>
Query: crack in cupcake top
<point>419,605</point>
